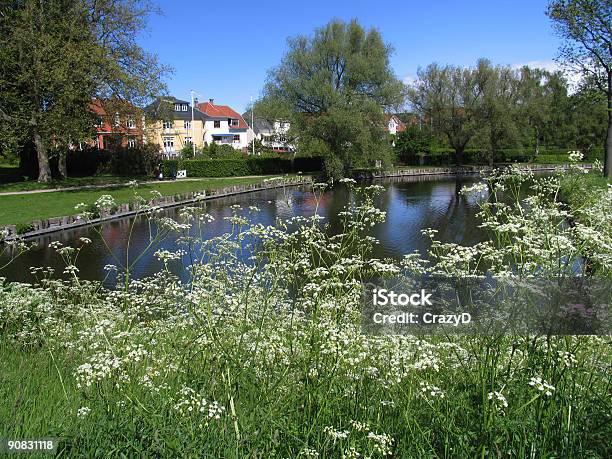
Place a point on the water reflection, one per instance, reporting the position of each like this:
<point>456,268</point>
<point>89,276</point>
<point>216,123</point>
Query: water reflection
<point>412,204</point>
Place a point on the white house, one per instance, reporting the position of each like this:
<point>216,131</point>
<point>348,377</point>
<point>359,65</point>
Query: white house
<point>395,125</point>
<point>272,135</point>
<point>223,125</point>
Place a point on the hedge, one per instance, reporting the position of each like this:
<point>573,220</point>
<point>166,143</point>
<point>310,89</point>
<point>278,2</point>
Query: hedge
<point>446,156</point>
<point>241,167</point>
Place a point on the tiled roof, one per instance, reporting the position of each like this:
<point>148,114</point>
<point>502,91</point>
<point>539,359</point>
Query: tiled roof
<point>222,111</point>
<point>156,110</point>
<point>259,124</point>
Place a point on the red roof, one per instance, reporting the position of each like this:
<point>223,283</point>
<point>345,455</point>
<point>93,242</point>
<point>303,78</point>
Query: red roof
<point>222,111</point>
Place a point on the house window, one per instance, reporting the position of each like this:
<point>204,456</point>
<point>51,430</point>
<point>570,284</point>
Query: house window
<point>236,138</point>
<point>187,125</point>
<point>100,122</point>
<point>167,124</point>
<point>168,143</point>
<point>233,122</point>
<point>131,142</point>
<point>131,124</point>
<point>188,141</point>
<point>117,120</point>
<point>184,107</point>
<point>217,124</point>
<point>177,107</point>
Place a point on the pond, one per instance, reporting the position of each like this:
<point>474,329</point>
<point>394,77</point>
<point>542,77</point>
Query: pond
<point>412,204</point>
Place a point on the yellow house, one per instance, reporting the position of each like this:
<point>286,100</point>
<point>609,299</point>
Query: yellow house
<point>172,124</point>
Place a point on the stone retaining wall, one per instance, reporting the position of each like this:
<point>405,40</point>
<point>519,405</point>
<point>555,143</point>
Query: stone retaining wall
<point>51,225</point>
<point>463,170</point>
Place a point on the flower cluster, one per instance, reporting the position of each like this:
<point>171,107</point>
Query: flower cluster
<point>542,386</point>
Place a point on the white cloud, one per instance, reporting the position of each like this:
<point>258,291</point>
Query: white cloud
<point>573,77</point>
<point>409,79</point>
<point>548,65</point>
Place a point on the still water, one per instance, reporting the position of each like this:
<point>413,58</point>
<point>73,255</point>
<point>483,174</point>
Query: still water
<point>412,204</point>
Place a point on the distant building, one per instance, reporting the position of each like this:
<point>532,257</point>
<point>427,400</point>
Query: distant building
<point>171,126</point>
<point>274,136</point>
<point>394,125</point>
<point>119,124</point>
<point>223,125</point>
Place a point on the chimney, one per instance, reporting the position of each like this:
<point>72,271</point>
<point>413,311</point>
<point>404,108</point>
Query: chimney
<point>212,101</point>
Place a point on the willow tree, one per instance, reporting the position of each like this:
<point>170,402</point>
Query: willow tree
<point>334,88</point>
<point>453,99</point>
<point>586,27</point>
<point>56,56</point>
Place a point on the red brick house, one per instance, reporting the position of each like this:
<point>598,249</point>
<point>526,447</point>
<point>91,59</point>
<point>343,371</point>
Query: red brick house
<point>119,124</point>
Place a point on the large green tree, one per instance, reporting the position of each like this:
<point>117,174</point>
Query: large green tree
<point>586,27</point>
<point>541,103</point>
<point>334,87</point>
<point>56,56</point>
<point>453,99</point>
<point>498,112</point>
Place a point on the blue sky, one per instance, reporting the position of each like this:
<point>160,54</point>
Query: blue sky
<point>223,49</point>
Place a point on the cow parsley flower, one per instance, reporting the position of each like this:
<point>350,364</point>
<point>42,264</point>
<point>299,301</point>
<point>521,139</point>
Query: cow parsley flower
<point>83,411</point>
<point>542,386</point>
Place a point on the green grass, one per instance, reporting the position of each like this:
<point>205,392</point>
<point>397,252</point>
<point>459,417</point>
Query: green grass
<point>32,185</point>
<point>22,209</point>
<point>581,191</point>
<point>278,342</point>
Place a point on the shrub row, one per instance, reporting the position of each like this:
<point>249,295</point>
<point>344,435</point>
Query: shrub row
<point>446,156</point>
<point>91,161</point>
<point>241,167</point>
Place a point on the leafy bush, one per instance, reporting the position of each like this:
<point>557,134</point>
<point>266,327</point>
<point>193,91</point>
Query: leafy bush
<point>22,228</point>
<point>411,143</point>
<point>120,161</point>
<point>187,151</point>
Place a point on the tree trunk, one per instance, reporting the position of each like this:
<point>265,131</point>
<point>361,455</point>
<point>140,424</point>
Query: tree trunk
<point>61,165</point>
<point>459,154</point>
<point>607,172</point>
<point>44,171</point>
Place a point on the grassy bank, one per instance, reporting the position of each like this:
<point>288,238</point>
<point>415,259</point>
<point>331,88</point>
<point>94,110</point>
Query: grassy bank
<point>268,358</point>
<point>16,209</point>
<point>97,180</point>
<point>584,190</point>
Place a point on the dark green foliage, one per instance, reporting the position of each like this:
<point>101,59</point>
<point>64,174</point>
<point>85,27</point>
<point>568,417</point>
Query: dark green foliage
<point>481,156</point>
<point>411,142</point>
<point>215,151</point>
<point>127,162</point>
<point>187,151</point>
<point>585,26</point>
<point>241,167</point>
<point>22,228</point>
<point>496,109</point>
<point>58,55</point>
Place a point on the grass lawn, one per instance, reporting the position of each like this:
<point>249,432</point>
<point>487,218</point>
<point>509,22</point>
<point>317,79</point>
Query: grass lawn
<point>15,209</point>
<point>582,191</point>
<point>31,185</point>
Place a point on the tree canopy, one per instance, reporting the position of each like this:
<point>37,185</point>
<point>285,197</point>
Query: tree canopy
<point>334,87</point>
<point>586,28</point>
<point>497,107</point>
<point>56,56</point>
